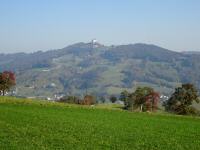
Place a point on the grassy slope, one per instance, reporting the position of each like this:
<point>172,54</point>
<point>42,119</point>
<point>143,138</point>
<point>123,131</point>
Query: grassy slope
<point>25,124</point>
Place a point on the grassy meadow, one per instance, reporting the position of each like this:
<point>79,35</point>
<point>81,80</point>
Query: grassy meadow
<point>29,124</point>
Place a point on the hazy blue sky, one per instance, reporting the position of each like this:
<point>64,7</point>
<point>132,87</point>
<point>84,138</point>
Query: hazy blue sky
<point>31,25</point>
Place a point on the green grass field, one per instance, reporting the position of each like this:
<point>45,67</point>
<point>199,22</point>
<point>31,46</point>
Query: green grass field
<point>27,124</point>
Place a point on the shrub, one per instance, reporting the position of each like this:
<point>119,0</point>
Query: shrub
<point>113,99</point>
<point>88,100</point>
<point>70,99</point>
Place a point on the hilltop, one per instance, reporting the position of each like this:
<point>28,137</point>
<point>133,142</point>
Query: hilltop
<point>100,69</point>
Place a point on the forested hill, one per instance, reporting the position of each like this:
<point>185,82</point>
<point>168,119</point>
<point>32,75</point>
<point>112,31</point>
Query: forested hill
<point>101,69</point>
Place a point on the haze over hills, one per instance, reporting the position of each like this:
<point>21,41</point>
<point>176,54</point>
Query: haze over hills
<point>101,70</point>
<point>191,52</point>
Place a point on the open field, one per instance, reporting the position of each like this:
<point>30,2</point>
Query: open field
<point>27,124</point>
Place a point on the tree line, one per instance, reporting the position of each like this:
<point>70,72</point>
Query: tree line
<point>146,99</point>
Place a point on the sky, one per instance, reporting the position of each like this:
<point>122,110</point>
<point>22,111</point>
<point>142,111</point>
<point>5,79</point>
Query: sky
<point>32,25</point>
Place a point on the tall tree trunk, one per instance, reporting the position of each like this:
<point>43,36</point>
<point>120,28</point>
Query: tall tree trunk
<point>141,107</point>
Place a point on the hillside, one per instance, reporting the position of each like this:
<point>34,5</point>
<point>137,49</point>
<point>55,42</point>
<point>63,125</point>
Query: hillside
<point>26,124</point>
<point>101,70</point>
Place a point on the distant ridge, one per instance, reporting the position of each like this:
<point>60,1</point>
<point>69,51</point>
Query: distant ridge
<point>101,69</point>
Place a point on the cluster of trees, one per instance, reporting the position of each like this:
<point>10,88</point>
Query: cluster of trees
<point>87,100</point>
<point>143,99</point>
<point>7,81</point>
<point>146,99</point>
